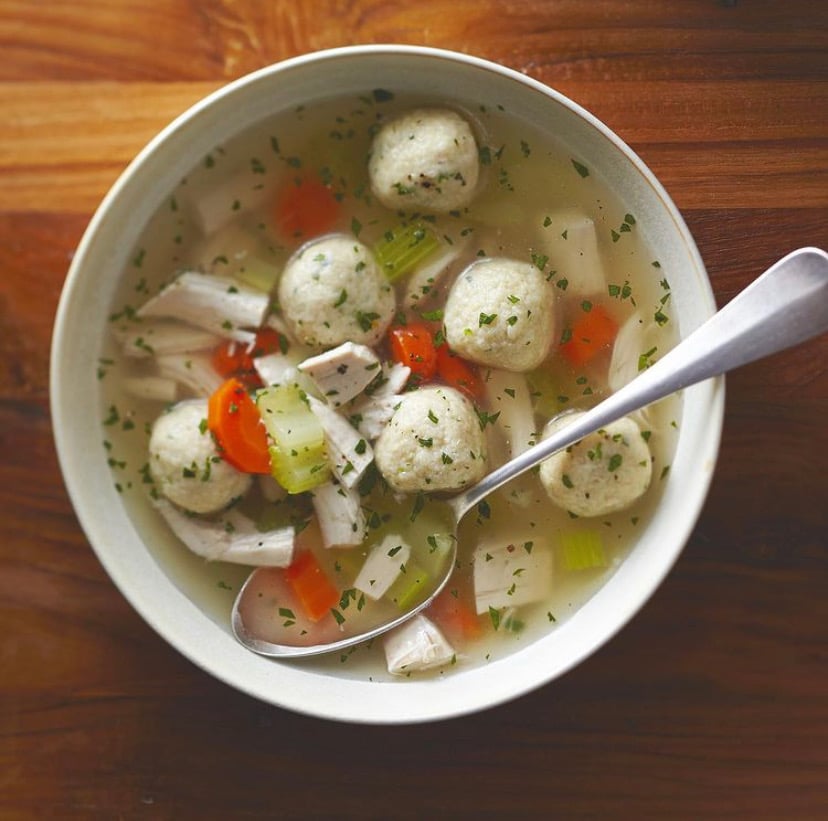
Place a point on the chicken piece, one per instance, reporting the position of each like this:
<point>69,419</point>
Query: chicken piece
<point>348,453</point>
<point>343,372</point>
<point>340,515</point>
<point>230,538</point>
<point>416,645</point>
<point>217,304</point>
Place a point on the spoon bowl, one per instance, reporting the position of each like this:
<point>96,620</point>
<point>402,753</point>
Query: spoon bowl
<point>785,306</point>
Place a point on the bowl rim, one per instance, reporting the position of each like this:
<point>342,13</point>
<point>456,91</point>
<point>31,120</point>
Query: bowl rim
<point>380,709</point>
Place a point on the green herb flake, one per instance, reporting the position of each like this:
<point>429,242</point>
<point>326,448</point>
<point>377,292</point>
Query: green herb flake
<point>580,168</point>
<point>494,615</point>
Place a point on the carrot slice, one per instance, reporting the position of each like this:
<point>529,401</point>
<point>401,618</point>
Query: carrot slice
<point>305,208</point>
<point>592,332</point>
<point>232,358</point>
<point>455,616</point>
<point>413,345</point>
<point>234,421</point>
<point>315,592</point>
<point>457,372</point>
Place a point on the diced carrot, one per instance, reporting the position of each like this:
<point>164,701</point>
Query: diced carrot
<point>413,345</point>
<point>452,613</point>
<point>315,592</point>
<point>234,421</point>
<point>457,372</point>
<point>305,208</point>
<point>232,358</point>
<point>592,332</point>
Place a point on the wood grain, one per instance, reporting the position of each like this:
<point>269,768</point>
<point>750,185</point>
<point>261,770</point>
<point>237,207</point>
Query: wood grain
<point>711,703</point>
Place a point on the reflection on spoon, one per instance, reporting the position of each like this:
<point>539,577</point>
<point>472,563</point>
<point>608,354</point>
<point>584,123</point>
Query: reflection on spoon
<point>787,305</point>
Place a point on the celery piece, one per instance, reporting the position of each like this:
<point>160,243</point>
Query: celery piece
<point>544,388</point>
<point>297,441</point>
<point>583,550</point>
<point>410,587</point>
<point>258,273</point>
<point>403,248</point>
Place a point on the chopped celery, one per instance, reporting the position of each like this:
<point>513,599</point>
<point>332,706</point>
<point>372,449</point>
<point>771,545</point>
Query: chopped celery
<point>545,391</point>
<point>410,586</point>
<point>241,253</point>
<point>403,248</point>
<point>297,441</point>
<point>583,550</point>
<point>257,273</point>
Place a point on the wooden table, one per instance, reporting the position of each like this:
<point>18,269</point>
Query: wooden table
<point>711,704</point>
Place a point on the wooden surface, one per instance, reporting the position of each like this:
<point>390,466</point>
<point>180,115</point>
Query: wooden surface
<point>713,703</point>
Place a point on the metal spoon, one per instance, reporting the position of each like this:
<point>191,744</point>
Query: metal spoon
<point>787,305</point>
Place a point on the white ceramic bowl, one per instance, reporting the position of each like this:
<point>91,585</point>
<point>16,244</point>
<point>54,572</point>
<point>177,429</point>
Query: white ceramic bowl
<point>121,530</point>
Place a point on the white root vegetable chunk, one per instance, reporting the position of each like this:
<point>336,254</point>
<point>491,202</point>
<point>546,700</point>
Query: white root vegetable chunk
<point>154,388</point>
<point>416,645</point>
<point>217,304</point>
<point>231,538</point>
<point>348,453</point>
<point>568,237</point>
<point>634,338</point>
<point>241,254</point>
<point>224,202</point>
<point>383,566</point>
<point>508,395</point>
<point>511,574</point>
<point>275,368</point>
<point>160,337</point>
<point>423,281</point>
<point>195,372</point>
<point>343,372</point>
<point>340,515</point>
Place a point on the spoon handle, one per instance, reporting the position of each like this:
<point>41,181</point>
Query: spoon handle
<point>783,307</point>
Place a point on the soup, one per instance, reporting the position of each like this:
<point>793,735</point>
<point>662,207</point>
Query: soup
<point>483,302</point>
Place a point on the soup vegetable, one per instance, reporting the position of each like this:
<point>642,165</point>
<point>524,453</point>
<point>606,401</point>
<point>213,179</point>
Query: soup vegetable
<point>355,309</point>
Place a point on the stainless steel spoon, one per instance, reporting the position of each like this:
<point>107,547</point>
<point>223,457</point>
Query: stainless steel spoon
<point>787,305</point>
